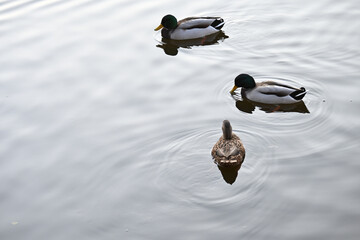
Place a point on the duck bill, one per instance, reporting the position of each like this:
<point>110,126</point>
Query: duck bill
<point>159,27</point>
<point>233,89</point>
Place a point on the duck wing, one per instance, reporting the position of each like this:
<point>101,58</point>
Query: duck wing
<point>220,153</point>
<point>201,22</point>
<point>227,153</point>
<point>273,88</point>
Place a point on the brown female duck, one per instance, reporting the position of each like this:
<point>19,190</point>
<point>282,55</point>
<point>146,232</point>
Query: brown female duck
<point>229,150</point>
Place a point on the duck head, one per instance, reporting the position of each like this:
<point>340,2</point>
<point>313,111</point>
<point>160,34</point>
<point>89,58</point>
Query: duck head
<point>243,80</point>
<point>227,129</point>
<point>168,21</point>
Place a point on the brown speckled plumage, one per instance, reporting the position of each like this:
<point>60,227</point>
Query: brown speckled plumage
<point>228,152</point>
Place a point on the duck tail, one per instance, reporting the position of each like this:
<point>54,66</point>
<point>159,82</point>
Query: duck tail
<point>298,94</point>
<point>218,23</point>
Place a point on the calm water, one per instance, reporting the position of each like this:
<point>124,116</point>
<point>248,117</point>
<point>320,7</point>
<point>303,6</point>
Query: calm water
<point>105,136</point>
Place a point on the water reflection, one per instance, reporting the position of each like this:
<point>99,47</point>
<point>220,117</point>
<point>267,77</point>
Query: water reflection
<point>229,173</point>
<point>248,106</point>
<point>171,47</point>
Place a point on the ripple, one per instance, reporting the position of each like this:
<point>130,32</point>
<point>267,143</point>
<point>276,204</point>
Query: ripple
<point>125,141</point>
<point>287,125</point>
<point>187,172</point>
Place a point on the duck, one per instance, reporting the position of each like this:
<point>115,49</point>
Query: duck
<point>189,28</point>
<point>228,150</point>
<point>268,92</point>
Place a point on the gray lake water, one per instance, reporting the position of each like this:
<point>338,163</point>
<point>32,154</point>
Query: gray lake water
<point>105,135</point>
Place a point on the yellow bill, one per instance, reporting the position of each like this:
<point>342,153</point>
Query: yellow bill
<point>233,89</point>
<point>159,27</point>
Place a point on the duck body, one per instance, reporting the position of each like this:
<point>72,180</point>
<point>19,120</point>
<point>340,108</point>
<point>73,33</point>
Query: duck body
<point>189,28</point>
<point>228,150</point>
<point>268,92</point>
<point>273,93</point>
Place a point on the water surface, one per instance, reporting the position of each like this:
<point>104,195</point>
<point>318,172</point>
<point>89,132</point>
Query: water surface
<point>104,135</point>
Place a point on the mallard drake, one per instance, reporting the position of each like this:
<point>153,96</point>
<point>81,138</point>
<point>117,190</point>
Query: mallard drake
<point>189,28</point>
<point>228,151</point>
<point>268,92</point>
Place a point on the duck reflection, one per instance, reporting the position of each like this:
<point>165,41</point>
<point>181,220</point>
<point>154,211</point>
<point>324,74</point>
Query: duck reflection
<point>171,47</point>
<point>229,173</point>
<point>248,106</point>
